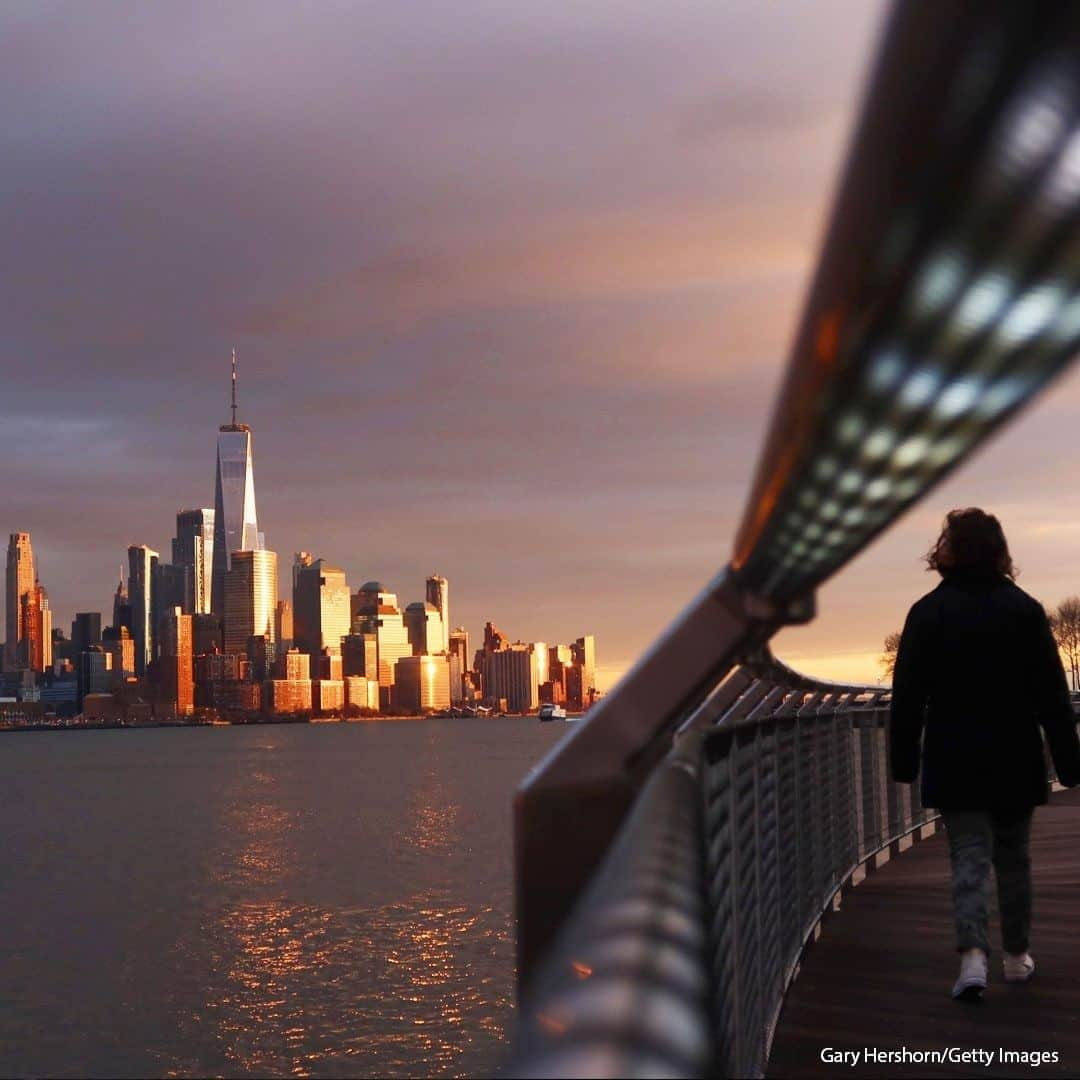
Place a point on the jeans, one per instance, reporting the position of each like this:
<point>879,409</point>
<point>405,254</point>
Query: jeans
<point>977,838</point>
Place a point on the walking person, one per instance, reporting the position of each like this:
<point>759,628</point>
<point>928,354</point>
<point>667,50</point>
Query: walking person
<point>977,676</point>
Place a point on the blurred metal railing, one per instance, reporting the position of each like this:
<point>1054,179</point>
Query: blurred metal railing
<point>677,960</point>
<point>947,296</point>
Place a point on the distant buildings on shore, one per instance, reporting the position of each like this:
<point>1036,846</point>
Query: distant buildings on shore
<point>206,633</point>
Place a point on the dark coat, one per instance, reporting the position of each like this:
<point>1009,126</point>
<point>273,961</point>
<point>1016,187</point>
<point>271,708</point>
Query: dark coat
<point>977,675</point>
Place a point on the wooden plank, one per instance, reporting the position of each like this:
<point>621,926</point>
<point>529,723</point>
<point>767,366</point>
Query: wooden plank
<point>881,974</point>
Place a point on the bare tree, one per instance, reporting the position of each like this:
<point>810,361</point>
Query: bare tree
<point>1065,623</point>
<point>887,660</point>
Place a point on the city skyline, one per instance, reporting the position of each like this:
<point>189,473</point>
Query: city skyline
<point>249,600</point>
<point>325,652</point>
<point>546,373</point>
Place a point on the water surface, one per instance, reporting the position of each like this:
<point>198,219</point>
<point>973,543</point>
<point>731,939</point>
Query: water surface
<point>326,900</point>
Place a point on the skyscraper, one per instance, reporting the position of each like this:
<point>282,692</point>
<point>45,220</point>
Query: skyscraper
<point>459,649</point>
<point>193,548</point>
<point>35,649</point>
<point>425,628</point>
<point>283,625</point>
<point>235,524</point>
<point>170,590</point>
<point>320,608</point>
<point>459,645</point>
<point>177,661</point>
<point>377,612</point>
<point>121,612</point>
<point>360,655</point>
<point>92,672</point>
<point>438,595</point>
<point>251,588</point>
<point>20,581</point>
<point>85,631</point>
<point>141,563</point>
<point>422,683</point>
<point>584,653</point>
<point>512,674</point>
<point>118,642</point>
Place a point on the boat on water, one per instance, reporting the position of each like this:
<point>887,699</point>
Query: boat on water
<point>552,712</point>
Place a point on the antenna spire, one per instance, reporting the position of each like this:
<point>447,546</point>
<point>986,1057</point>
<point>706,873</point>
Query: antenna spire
<point>234,388</point>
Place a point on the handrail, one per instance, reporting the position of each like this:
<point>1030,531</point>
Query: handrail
<point>947,296</point>
<point>678,957</point>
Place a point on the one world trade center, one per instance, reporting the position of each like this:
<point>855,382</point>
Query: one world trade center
<point>235,525</point>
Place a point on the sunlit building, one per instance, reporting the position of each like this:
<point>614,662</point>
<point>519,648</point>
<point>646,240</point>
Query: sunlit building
<point>459,644</point>
<point>236,526</point>
<point>193,548</point>
<point>328,665</point>
<point>360,655</point>
<point>251,587</point>
<point>34,652</point>
<point>361,692</point>
<point>438,595</point>
<point>321,608</point>
<point>328,686</point>
<point>457,683</point>
<point>584,653</point>
<point>512,674</point>
<point>292,665</point>
<point>494,638</point>
<point>19,582</point>
<point>378,613</point>
<point>422,683</point>
<point>283,625</point>
<point>459,649</point>
<point>120,645</point>
<point>424,625</point>
<point>176,663</point>
<point>141,563</point>
<point>328,696</point>
<point>169,592</point>
<point>286,696</point>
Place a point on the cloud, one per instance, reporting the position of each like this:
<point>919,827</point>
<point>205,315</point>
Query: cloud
<point>512,287</point>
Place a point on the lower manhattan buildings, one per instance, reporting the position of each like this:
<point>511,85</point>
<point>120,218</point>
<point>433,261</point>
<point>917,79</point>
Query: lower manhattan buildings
<point>27,617</point>
<point>207,635</point>
<point>251,587</point>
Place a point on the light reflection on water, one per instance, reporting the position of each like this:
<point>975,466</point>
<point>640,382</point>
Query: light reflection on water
<point>297,986</point>
<point>325,901</point>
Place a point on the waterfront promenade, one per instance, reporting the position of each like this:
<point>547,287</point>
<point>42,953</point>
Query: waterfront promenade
<point>880,974</point>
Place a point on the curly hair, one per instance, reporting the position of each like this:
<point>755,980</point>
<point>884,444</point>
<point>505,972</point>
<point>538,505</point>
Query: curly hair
<point>972,542</point>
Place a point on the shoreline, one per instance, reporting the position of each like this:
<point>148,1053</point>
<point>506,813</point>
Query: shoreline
<point>270,722</point>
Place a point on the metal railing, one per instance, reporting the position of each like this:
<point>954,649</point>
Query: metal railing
<point>677,960</point>
<point>947,296</point>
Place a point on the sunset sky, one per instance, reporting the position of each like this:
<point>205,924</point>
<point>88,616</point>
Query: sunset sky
<point>511,285</point>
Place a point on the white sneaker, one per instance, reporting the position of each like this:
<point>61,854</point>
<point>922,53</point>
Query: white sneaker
<point>1018,968</point>
<point>972,981</point>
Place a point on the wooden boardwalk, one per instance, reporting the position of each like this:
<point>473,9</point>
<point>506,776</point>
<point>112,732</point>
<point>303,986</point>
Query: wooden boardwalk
<point>879,977</point>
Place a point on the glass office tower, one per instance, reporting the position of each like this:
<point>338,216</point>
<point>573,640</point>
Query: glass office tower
<point>235,525</point>
<point>250,599</point>
<point>194,548</point>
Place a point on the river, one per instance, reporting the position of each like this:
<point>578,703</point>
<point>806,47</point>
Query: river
<point>324,900</point>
